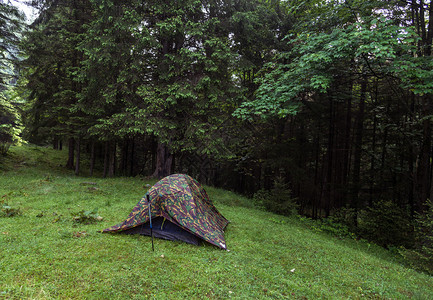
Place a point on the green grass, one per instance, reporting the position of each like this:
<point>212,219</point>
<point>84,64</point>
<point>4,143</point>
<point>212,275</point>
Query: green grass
<point>44,254</point>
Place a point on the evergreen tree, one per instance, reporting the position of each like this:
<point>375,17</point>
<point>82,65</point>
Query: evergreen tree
<point>11,27</point>
<point>161,69</point>
<point>52,62</point>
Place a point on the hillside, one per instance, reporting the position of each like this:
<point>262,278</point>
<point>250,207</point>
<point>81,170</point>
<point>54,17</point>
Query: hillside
<point>44,254</point>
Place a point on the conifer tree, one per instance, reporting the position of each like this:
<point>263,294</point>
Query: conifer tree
<point>11,28</point>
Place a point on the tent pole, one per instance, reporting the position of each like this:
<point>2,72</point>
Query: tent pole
<point>150,221</point>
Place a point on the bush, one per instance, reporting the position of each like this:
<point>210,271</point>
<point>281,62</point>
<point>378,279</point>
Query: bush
<point>386,224</point>
<point>4,148</point>
<point>421,257</point>
<point>277,200</point>
<point>260,198</point>
<point>10,125</point>
<point>330,226</point>
<point>345,216</point>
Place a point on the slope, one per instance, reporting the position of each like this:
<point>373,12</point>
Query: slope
<point>46,254</point>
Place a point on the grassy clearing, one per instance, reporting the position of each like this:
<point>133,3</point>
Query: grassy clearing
<point>44,254</point>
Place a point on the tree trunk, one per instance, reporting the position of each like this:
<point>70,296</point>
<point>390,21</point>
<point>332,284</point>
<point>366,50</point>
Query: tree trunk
<point>356,183</point>
<point>372,162</point>
<point>347,140</point>
<point>164,162</point>
<point>71,150</point>
<point>55,143</point>
<point>77,162</point>
<point>329,185</point>
<point>106,156</point>
<point>130,160</point>
<point>123,167</point>
<point>317,189</point>
<point>422,186</point>
<point>92,157</point>
<point>112,159</point>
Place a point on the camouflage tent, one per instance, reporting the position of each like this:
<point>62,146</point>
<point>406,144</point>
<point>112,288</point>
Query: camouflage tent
<point>180,210</point>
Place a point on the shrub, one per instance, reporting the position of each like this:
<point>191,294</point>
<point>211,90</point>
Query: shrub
<point>345,216</point>
<point>6,138</point>
<point>386,224</point>
<point>421,257</point>
<point>4,148</point>
<point>260,198</point>
<point>10,125</point>
<point>333,227</point>
<point>277,200</point>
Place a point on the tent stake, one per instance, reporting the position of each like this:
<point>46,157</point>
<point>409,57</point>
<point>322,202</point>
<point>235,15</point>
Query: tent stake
<point>150,221</point>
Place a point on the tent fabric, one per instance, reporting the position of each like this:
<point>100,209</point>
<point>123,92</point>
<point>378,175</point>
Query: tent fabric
<point>164,229</point>
<point>181,200</point>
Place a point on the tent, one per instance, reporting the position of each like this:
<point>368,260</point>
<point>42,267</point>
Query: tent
<point>180,209</point>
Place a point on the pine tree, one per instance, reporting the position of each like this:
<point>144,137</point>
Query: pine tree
<point>11,28</point>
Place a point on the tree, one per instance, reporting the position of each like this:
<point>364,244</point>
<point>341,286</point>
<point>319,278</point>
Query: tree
<point>189,87</point>
<point>11,28</point>
<point>344,65</point>
<point>53,59</point>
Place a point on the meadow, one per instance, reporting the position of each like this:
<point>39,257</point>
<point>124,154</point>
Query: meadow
<point>46,254</point>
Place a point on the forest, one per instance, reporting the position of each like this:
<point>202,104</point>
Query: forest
<point>325,107</point>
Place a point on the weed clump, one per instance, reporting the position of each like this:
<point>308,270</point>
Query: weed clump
<point>87,216</point>
<point>8,211</point>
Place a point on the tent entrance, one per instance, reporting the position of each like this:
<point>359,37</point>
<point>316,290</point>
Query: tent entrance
<point>164,229</point>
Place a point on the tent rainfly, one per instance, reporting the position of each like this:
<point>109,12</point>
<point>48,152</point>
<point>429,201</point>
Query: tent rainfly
<point>180,209</point>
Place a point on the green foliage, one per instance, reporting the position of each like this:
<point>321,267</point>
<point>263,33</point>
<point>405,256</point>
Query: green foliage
<point>159,69</point>
<point>50,67</point>
<point>317,59</point>
<point>345,216</point>
<point>10,125</point>
<point>8,211</point>
<point>278,200</point>
<point>340,224</point>
<point>87,216</point>
<point>416,74</point>
<point>386,224</point>
<point>260,198</point>
<point>421,257</point>
<point>11,27</point>
<point>334,228</point>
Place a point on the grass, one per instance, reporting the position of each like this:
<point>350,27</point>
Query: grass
<point>44,254</point>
